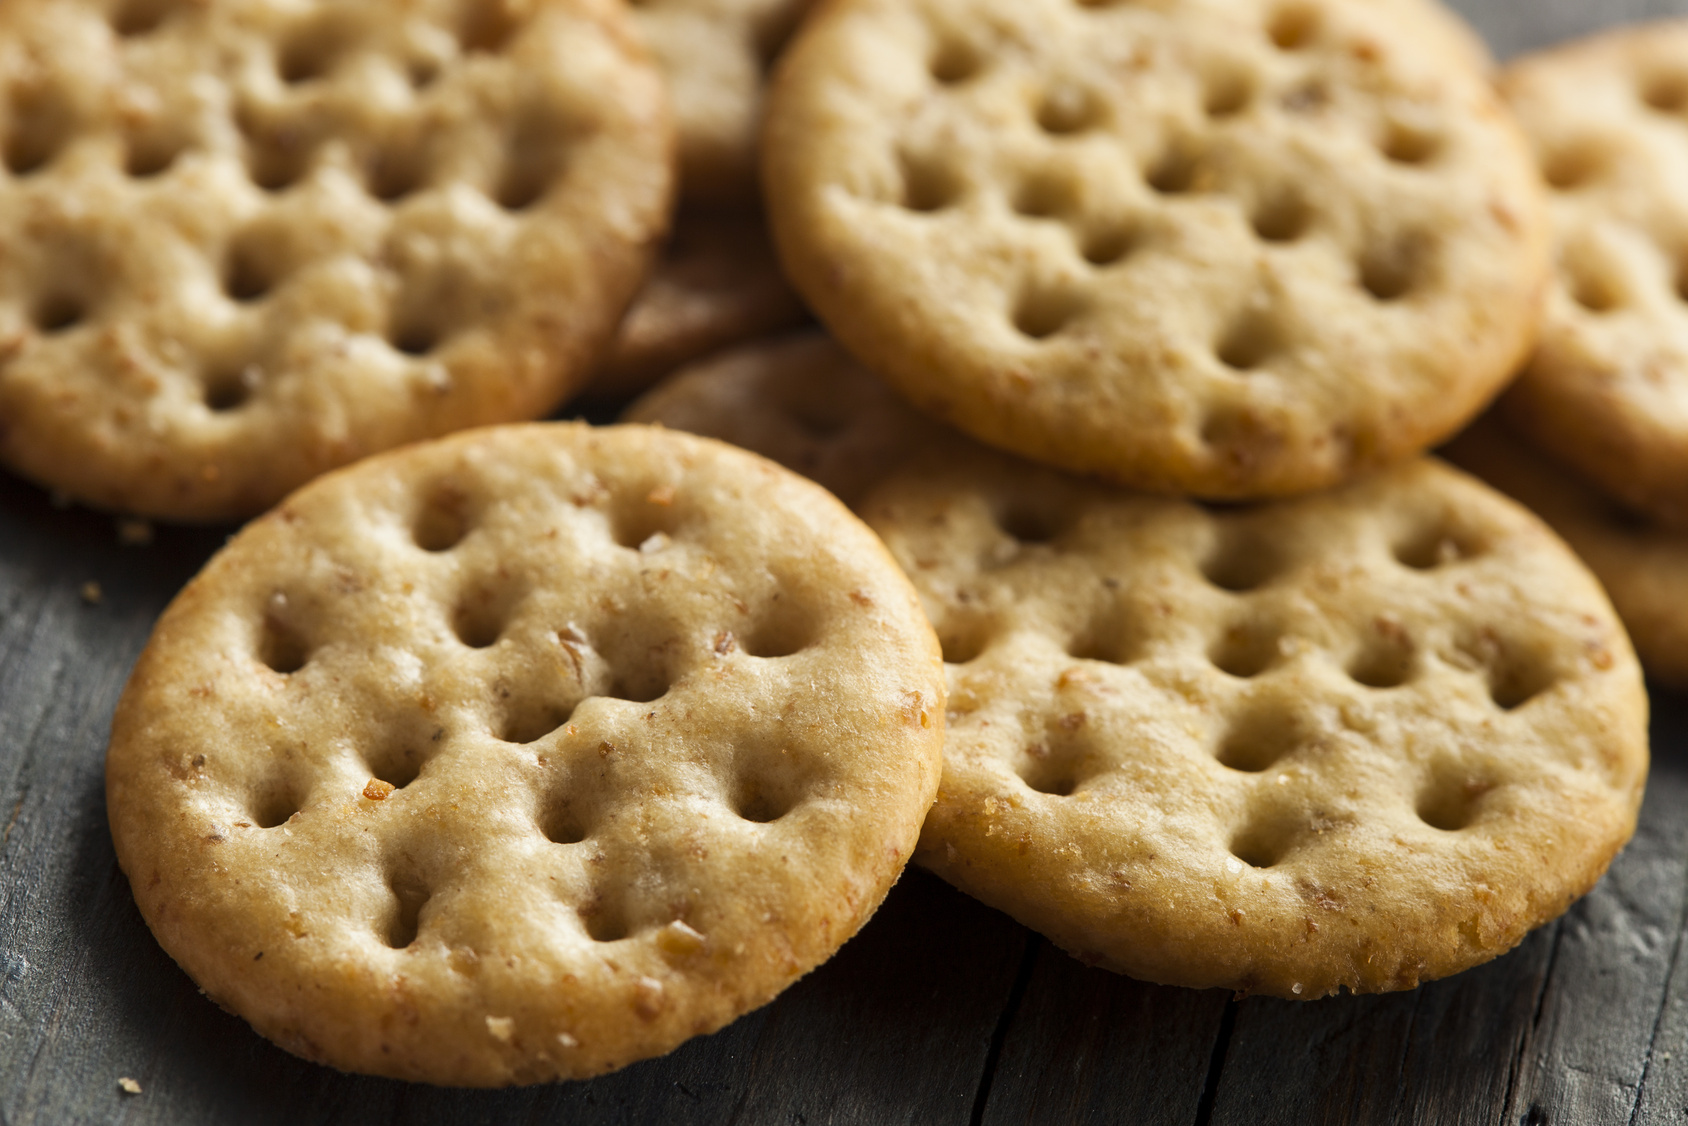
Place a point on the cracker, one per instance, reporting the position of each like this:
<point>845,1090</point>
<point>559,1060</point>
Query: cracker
<point>1359,740</point>
<point>244,242</point>
<point>716,55</point>
<point>525,753</point>
<point>800,401</point>
<point>1642,564</point>
<point>1607,388</point>
<point>1232,248</point>
<point>717,284</point>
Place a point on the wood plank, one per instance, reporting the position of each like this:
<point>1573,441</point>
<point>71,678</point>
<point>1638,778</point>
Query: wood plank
<point>1589,1047</point>
<point>1562,1024</point>
<point>1512,27</point>
<point>1088,1046</point>
<point>1441,1053</point>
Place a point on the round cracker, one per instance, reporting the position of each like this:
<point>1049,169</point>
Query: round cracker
<point>1233,248</point>
<point>1642,564</point>
<point>717,284</point>
<point>800,401</point>
<point>1607,388</point>
<point>716,55</point>
<point>526,753</point>
<point>242,243</point>
<point>1359,740</point>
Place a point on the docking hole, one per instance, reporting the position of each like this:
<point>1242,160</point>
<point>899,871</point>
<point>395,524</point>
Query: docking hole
<point>1571,167</point>
<point>1597,290</point>
<point>1406,144</point>
<point>404,911</point>
<point>1044,311</point>
<point>1665,91</point>
<point>1263,841</point>
<point>1434,544</point>
<point>229,389</point>
<point>955,61</point>
<point>1252,340</point>
<point>605,917</point>
<point>1246,649</point>
<point>482,613</point>
<point>1175,172</point>
<point>781,630</point>
<point>277,800</point>
<point>1258,739</point>
<point>1282,217</point>
<point>443,519</point>
<point>1386,660</point>
<point>1227,92</point>
<point>1241,558</point>
<point>281,646</point>
<point>1389,271</point>
<point>59,312</point>
<point>1068,109</point>
<point>398,760</point>
<point>1293,27</point>
<point>150,155</point>
<point>1107,245</point>
<point>928,184</point>
<point>1449,802</point>
<point>963,642</point>
<point>140,17</point>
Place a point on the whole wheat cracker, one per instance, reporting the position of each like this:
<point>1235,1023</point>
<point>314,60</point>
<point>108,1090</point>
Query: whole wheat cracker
<point>1607,388</point>
<point>1228,247</point>
<point>716,285</point>
<point>525,753</point>
<point>1642,564</point>
<point>799,400</point>
<point>245,242</point>
<point>1358,740</point>
<point>716,55</point>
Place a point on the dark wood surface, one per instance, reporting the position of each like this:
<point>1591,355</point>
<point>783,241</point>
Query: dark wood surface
<point>941,1011</point>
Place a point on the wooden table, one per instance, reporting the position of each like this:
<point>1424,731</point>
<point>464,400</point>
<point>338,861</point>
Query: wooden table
<point>940,1011</point>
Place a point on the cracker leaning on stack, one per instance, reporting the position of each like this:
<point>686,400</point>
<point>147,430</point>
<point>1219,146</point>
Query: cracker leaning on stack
<point>526,754</point>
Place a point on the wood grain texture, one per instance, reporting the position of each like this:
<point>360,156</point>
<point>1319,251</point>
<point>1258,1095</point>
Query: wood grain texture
<point>941,1011</point>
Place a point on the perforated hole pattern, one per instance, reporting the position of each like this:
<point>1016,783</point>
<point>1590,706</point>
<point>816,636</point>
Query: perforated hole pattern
<point>1172,186</point>
<point>1177,595</point>
<point>327,192</point>
<point>580,664</point>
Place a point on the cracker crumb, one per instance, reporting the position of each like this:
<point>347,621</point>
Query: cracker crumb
<point>647,1000</point>
<point>92,594</point>
<point>377,790</point>
<point>128,1086</point>
<point>134,533</point>
<point>502,1028</point>
<point>662,494</point>
<point>678,938</point>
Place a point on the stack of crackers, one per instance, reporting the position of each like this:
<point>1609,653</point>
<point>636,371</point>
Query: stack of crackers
<point>1130,605</point>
